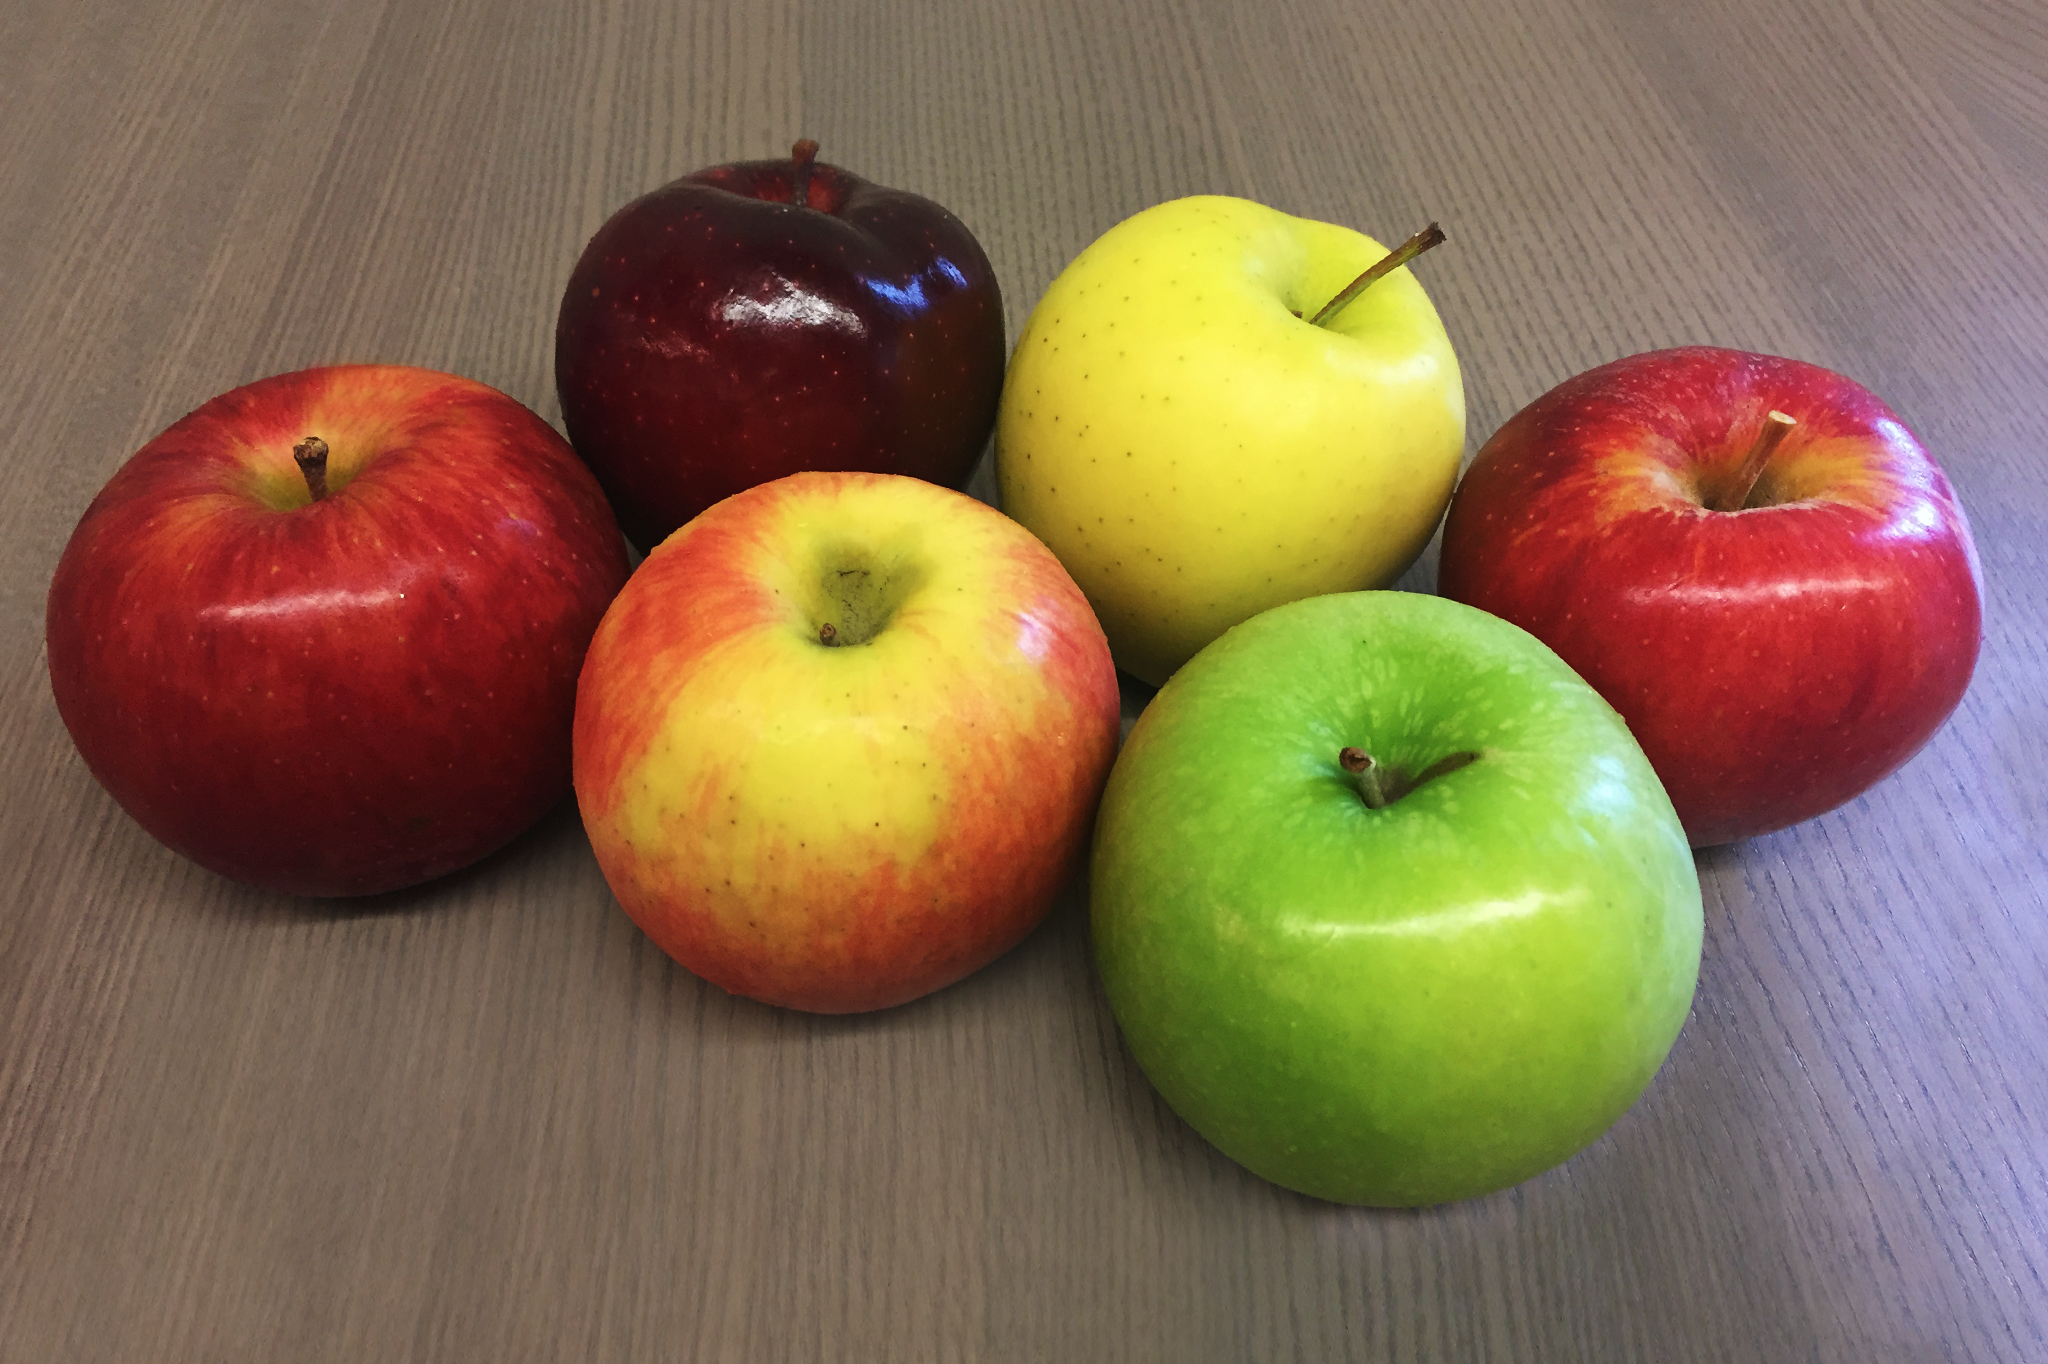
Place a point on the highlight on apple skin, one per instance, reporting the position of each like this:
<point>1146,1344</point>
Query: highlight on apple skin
<point>840,740</point>
<point>322,635</point>
<point>1752,558</point>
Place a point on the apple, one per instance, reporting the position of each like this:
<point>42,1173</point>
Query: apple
<point>1388,904</point>
<point>1751,557</point>
<point>839,741</point>
<point>322,635</point>
<point>756,319</point>
<point>1199,437</point>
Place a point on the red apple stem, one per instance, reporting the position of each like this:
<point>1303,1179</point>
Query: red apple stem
<point>1387,264</point>
<point>803,154</point>
<point>1734,496</point>
<point>311,455</point>
<point>1366,775</point>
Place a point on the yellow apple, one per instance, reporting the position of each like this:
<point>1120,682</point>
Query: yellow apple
<point>1195,448</point>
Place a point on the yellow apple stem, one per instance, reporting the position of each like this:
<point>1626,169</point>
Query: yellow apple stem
<point>1366,775</point>
<point>1393,260</point>
<point>311,455</point>
<point>803,154</point>
<point>1734,496</point>
<point>828,635</point>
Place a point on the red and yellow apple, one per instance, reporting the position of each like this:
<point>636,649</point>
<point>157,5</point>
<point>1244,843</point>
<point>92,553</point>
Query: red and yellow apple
<point>322,635</point>
<point>840,740</point>
<point>1752,559</point>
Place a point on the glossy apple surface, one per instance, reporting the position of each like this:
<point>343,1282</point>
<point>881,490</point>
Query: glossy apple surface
<point>347,695</point>
<point>1408,1004</point>
<point>1775,660</point>
<point>1195,452</point>
<point>840,740</point>
<point>760,318</point>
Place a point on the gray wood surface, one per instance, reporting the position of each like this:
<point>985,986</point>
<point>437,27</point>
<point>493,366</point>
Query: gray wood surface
<point>487,1120</point>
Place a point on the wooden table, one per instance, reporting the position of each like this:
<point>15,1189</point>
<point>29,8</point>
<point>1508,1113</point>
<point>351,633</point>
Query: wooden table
<point>488,1120</point>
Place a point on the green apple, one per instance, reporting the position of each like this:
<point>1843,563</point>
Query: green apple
<point>1195,451</point>
<point>1388,903</point>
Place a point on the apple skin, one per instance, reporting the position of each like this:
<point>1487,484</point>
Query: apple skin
<point>715,335</point>
<point>1775,661</point>
<point>843,827</point>
<point>1195,452</point>
<point>1406,1005</point>
<point>343,696</point>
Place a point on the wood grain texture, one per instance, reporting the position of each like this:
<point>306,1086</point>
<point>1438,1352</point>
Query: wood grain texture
<point>487,1120</point>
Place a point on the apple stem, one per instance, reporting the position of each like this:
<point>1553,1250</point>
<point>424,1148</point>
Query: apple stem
<point>1380,786</point>
<point>1734,496</point>
<point>828,635</point>
<point>803,154</point>
<point>1393,260</point>
<point>311,455</point>
<point>1366,774</point>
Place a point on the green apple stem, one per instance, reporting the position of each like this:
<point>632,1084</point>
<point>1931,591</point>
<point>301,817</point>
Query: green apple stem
<point>1734,496</point>
<point>803,154</point>
<point>1366,775</point>
<point>311,455</point>
<point>1380,786</point>
<point>1393,260</point>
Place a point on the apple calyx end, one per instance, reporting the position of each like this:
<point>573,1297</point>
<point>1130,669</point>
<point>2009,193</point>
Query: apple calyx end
<point>310,454</point>
<point>1433,235</point>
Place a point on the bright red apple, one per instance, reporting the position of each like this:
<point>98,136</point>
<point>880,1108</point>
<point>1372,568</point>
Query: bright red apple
<point>1751,558</point>
<point>322,635</point>
<point>839,741</point>
<point>755,319</point>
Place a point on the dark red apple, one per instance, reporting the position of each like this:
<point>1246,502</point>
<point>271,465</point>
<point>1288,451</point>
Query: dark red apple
<point>1751,558</point>
<point>756,319</point>
<point>322,635</point>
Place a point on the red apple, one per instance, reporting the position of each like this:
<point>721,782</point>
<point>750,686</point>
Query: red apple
<point>341,688</point>
<point>839,741</point>
<point>1751,558</point>
<point>755,319</point>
